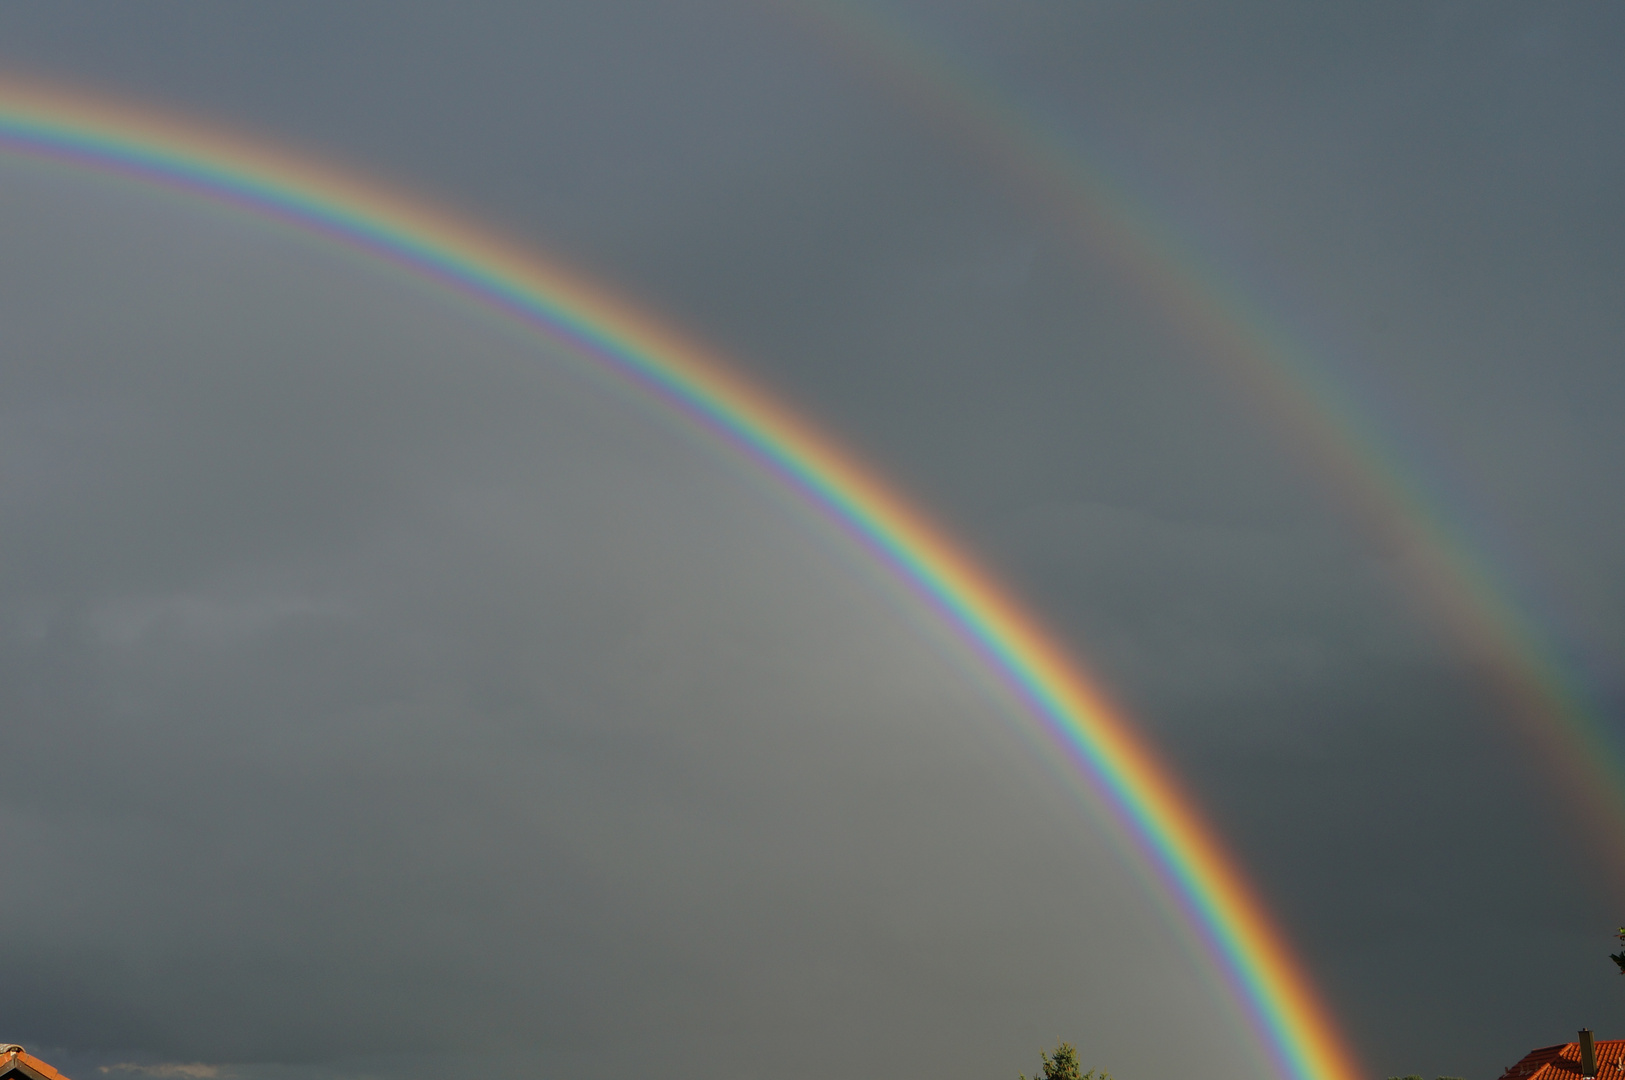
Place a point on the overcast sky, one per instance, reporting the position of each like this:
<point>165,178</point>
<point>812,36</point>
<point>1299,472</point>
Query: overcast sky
<point>385,695</point>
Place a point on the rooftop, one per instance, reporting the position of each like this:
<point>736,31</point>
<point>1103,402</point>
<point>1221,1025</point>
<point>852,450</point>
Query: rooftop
<point>17,1065</point>
<point>1560,1062</point>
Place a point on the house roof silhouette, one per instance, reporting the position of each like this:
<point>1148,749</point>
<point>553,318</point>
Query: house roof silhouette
<point>1560,1062</point>
<point>16,1065</point>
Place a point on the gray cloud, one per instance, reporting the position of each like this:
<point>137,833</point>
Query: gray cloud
<point>388,683</point>
<point>380,693</point>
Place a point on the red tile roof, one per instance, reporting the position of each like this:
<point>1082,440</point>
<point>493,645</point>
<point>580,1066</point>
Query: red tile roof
<point>40,1067</point>
<point>16,1063</point>
<point>1562,1062</point>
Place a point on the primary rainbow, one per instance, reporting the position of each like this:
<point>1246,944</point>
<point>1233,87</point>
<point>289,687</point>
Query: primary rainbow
<point>1199,878</point>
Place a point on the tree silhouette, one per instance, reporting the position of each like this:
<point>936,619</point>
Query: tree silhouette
<point>1063,1065</point>
<point>1619,957</point>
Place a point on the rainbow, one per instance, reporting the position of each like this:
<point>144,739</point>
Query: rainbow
<point>1193,870</point>
<point>1496,622</point>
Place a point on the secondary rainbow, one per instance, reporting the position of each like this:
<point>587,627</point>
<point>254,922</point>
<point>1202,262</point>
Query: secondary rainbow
<point>1198,877</point>
<point>1497,620</point>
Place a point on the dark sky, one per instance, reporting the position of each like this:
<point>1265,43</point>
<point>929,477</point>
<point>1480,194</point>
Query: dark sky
<point>384,697</point>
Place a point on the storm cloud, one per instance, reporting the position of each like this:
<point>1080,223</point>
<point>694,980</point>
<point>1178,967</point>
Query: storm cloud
<point>383,689</point>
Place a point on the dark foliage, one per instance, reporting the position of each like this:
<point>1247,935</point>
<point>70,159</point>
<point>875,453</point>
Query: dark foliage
<point>1063,1065</point>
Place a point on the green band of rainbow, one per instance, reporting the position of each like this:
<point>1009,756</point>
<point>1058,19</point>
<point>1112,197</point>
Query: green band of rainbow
<point>1197,875</point>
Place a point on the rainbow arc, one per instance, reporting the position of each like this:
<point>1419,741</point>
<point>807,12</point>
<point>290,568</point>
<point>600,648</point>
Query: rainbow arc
<point>1191,866</point>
